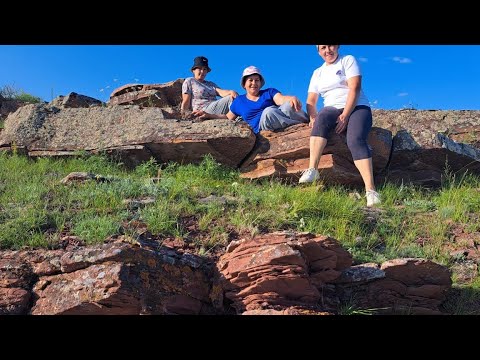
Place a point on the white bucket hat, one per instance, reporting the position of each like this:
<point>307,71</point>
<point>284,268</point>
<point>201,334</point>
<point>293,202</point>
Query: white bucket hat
<point>250,71</point>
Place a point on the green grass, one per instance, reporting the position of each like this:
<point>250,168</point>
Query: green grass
<point>464,299</point>
<point>36,208</point>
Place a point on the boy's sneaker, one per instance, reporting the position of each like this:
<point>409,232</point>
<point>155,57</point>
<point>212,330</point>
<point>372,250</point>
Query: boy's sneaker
<point>373,198</point>
<point>309,175</point>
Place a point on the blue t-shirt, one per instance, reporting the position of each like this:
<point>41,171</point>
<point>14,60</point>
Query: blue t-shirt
<point>250,110</point>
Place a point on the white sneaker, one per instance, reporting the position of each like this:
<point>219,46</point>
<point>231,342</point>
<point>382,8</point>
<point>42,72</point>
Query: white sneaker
<point>373,198</point>
<point>309,175</point>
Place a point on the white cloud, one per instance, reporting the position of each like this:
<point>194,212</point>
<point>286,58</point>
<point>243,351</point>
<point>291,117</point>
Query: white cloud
<point>101,90</point>
<point>115,80</point>
<point>402,60</point>
<point>403,94</point>
<point>363,59</point>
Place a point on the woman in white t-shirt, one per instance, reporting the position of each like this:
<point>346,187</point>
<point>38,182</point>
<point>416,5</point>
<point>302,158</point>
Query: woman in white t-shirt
<point>200,96</point>
<point>345,108</point>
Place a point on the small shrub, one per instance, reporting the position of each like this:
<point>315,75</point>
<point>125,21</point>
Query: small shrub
<point>23,96</point>
<point>10,92</point>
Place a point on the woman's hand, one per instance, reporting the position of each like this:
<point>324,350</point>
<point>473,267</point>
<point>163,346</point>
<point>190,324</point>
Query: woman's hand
<point>202,115</point>
<point>342,123</point>
<point>296,103</point>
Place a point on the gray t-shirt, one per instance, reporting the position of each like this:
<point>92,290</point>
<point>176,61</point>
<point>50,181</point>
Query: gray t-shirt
<point>202,93</point>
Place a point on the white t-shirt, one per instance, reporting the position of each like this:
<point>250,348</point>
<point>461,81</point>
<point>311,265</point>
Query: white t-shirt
<point>330,81</point>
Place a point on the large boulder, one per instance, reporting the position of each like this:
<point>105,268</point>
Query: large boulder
<point>131,133</point>
<point>116,278</point>
<point>74,100</point>
<point>285,154</point>
<point>168,95</point>
<point>429,144</point>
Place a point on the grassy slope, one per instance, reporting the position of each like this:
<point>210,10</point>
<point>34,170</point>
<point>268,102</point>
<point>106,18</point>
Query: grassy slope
<point>36,210</point>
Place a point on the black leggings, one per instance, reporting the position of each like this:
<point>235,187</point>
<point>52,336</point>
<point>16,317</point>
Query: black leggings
<point>358,128</point>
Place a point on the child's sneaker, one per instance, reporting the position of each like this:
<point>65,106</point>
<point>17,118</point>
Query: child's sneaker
<point>309,175</point>
<point>373,198</point>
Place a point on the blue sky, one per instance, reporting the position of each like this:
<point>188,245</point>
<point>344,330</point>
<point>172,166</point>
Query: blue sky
<point>425,77</point>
